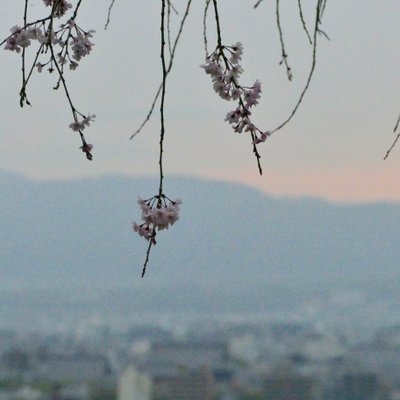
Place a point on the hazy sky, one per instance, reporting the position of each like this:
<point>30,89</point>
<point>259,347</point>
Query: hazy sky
<point>333,148</point>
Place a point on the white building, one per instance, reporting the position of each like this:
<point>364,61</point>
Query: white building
<point>134,385</point>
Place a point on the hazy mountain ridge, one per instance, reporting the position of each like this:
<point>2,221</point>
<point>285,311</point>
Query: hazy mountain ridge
<point>68,233</point>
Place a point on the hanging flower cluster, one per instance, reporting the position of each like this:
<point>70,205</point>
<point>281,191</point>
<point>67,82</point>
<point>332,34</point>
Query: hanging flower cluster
<point>21,38</point>
<point>57,47</point>
<point>73,42</point>
<point>77,126</point>
<point>60,6</point>
<point>224,68</point>
<point>158,213</point>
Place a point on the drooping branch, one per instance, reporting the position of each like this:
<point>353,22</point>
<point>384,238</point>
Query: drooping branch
<point>110,7</point>
<point>303,21</point>
<point>224,68</point>
<point>205,40</point>
<point>158,212</point>
<point>162,132</point>
<point>162,102</point>
<point>396,127</point>
<point>22,94</point>
<point>284,54</point>
<point>59,46</point>
<point>317,31</point>
<point>170,63</point>
<point>170,7</point>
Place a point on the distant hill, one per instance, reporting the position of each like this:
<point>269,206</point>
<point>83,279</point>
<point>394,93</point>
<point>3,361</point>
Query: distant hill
<point>230,241</point>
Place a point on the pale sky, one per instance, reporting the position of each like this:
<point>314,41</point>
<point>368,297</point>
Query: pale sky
<point>333,148</point>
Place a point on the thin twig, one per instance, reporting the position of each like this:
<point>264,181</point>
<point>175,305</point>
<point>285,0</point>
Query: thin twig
<point>162,103</point>
<point>397,124</point>
<point>173,8</point>
<point>304,22</point>
<point>109,14</point>
<point>219,36</point>
<point>22,93</point>
<point>312,69</point>
<point>284,55</point>
<point>76,10</point>
<point>169,27</point>
<point>152,241</point>
<point>171,60</point>
<point>34,64</point>
<point>170,7</point>
<point>395,140</point>
<point>256,153</point>
<point>323,6</point>
<point>392,146</point>
<point>205,26</point>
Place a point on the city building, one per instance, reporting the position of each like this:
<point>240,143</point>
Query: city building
<point>134,385</point>
<point>360,386</point>
<point>287,385</point>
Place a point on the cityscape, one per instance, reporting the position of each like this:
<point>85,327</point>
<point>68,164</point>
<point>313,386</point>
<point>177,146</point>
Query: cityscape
<point>327,354</point>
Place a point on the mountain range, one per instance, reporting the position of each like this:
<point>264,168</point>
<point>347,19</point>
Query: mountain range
<point>232,244</point>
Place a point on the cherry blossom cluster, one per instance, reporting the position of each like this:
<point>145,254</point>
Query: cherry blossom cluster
<point>158,213</point>
<point>72,42</point>
<point>224,68</point>
<point>87,148</point>
<point>21,38</point>
<point>78,126</point>
<point>56,47</point>
<point>60,6</point>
